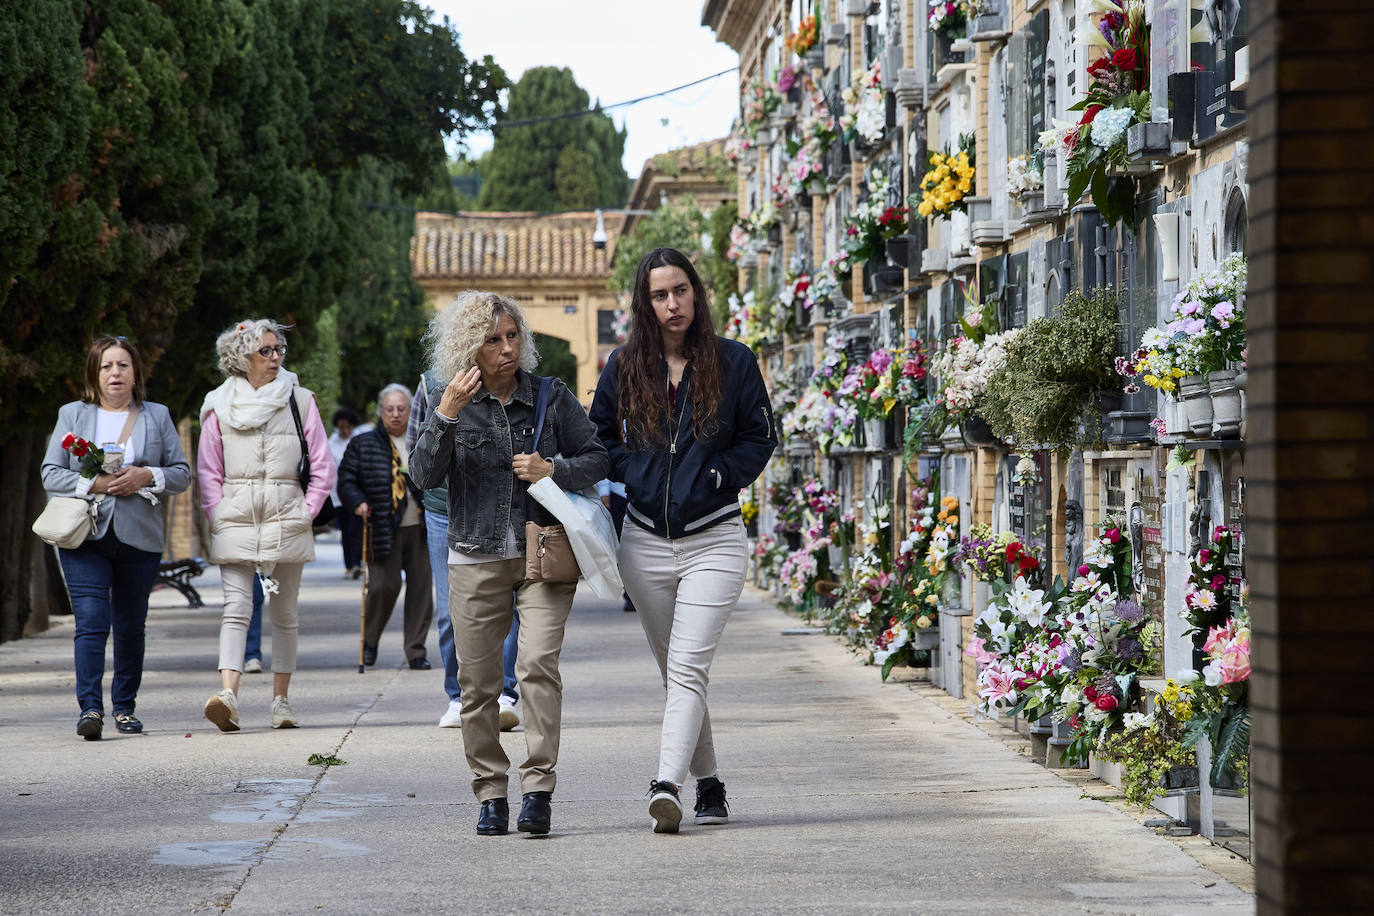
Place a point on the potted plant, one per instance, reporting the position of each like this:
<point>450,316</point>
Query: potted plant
<point>1118,96</point>
<point>865,109</point>
<point>1047,390</point>
<point>965,367</point>
<point>948,180</point>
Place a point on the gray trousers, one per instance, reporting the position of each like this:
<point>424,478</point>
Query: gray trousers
<point>409,554</point>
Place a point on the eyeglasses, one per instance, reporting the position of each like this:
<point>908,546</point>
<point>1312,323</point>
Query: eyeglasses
<point>266,352</point>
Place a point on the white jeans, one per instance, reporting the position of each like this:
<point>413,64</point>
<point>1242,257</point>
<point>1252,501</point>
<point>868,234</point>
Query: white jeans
<point>237,579</point>
<point>684,590</point>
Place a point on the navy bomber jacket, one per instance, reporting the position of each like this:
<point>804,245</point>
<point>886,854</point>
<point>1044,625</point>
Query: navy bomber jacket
<point>694,484</point>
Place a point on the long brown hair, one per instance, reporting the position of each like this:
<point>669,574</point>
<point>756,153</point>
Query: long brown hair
<point>643,407</point>
<point>90,392</point>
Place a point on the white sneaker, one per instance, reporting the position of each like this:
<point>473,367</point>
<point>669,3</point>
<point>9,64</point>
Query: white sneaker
<point>510,716</point>
<point>223,710</point>
<point>282,716</point>
<point>453,717</point>
<point>252,666</point>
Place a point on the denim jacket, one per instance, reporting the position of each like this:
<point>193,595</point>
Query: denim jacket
<point>473,453</point>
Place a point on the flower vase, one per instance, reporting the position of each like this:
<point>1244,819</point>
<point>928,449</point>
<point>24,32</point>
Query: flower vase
<point>977,432</point>
<point>1197,403</point>
<point>1225,396</point>
<point>928,638</point>
<point>835,555</point>
<point>873,435</point>
<point>1175,418</point>
<point>1242,378</point>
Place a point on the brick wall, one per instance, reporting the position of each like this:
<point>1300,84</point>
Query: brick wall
<point>1311,485</point>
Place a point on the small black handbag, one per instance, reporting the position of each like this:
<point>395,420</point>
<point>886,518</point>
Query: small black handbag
<point>325,517</point>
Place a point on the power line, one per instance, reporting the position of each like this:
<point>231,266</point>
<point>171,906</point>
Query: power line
<point>524,122</point>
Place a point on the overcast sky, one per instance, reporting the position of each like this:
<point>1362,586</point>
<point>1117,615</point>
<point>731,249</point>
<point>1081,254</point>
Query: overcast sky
<point>617,50</point>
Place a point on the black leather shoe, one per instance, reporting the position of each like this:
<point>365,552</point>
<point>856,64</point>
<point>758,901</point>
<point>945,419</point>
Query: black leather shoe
<point>534,812</point>
<point>128,723</point>
<point>420,664</point>
<point>369,655</point>
<point>495,818</point>
<point>90,725</point>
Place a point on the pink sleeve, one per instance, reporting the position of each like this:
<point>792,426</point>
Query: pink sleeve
<point>210,463</point>
<point>322,471</point>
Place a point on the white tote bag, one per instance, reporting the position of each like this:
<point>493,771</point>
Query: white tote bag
<point>591,532</point>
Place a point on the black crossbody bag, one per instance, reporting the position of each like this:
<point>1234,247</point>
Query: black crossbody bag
<point>325,517</point>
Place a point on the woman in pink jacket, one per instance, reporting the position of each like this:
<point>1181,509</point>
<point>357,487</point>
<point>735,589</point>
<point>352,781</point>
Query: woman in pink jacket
<point>260,518</point>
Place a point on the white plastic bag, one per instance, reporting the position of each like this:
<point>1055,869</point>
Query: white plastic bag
<point>590,531</point>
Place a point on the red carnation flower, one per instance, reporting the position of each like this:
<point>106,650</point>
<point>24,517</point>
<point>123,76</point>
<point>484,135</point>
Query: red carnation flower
<point>1124,59</point>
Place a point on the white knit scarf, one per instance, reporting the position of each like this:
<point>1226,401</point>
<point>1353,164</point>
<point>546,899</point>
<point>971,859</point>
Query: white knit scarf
<point>238,404</point>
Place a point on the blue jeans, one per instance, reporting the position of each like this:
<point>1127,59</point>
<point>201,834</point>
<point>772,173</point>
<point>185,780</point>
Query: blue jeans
<point>253,648</point>
<point>109,583</point>
<point>436,532</point>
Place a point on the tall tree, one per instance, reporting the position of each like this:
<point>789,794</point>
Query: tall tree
<point>561,164</point>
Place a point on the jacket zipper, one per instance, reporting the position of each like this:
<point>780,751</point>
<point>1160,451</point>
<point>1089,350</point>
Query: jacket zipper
<point>672,441</point>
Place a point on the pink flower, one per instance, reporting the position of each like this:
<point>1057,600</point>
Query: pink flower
<point>1218,581</point>
<point>1203,556</point>
<point>1083,570</point>
<point>979,652</point>
<point>1235,661</point>
<point>1113,535</point>
<point>1217,638</point>
<point>1106,702</point>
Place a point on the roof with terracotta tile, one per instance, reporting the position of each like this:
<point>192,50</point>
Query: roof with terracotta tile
<point>493,245</point>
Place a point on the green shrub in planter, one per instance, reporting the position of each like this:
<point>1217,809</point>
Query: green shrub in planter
<point>1047,391</point>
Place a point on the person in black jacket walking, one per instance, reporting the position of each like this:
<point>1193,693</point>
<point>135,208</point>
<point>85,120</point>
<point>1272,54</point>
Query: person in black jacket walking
<point>375,484</point>
<point>686,421</point>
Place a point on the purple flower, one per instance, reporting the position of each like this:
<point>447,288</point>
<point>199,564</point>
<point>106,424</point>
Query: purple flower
<point>1128,611</point>
<point>1193,327</point>
<point>1131,388</point>
<point>1190,308</point>
<point>1129,650</point>
<point>1074,661</point>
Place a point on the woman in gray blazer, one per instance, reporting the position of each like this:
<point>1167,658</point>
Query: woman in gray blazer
<point>110,576</point>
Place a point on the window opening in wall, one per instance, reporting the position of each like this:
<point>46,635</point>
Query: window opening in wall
<point>1113,489</point>
<point>1234,241</point>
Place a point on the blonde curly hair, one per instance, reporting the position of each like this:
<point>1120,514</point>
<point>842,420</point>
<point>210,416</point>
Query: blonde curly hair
<point>456,333</point>
<point>234,346</point>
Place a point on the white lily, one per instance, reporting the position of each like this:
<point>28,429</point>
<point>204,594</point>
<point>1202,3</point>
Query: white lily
<point>1089,35</point>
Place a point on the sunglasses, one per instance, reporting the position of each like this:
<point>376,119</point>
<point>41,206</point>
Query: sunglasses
<point>266,352</point>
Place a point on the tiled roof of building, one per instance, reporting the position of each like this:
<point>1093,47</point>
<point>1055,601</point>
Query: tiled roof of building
<point>511,245</point>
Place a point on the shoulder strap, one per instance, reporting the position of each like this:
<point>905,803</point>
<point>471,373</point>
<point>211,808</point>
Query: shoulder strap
<point>303,466</point>
<point>129,424</point>
<point>541,406</point>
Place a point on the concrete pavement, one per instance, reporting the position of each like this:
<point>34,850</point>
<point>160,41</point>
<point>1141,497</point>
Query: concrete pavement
<point>846,795</point>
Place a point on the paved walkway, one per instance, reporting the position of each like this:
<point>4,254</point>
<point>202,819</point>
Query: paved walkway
<point>846,795</point>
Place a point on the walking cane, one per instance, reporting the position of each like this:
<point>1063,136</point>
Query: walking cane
<point>362,614</point>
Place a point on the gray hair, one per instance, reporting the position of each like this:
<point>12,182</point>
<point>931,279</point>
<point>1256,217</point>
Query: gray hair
<point>393,387</point>
<point>236,345</point>
<point>456,333</point>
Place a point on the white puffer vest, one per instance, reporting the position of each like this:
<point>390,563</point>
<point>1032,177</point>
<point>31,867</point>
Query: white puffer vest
<point>261,517</point>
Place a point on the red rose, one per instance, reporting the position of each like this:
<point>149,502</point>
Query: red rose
<point>1013,551</point>
<point>68,440</point>
<point>1124,59</point>
<point>1106,702</point>
<point>80,448</point>
<point>1090,114</point>
<point>1218,581</point>
<point>1098,67</point>
<point>1090,693</point>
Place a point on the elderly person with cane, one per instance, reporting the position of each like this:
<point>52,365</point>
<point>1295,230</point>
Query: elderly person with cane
<point>375,485</point>
<point>110,575</point>
<point>481,438</point>
<point>260,518</point>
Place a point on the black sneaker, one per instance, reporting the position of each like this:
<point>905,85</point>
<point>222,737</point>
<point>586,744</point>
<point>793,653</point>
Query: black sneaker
<point>711,807</point>
<point>664,806</point>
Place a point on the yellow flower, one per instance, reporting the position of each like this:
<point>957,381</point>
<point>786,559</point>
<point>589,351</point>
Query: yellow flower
<point>1177,373</point>
<point>922,623</point>
<point>965,186</point>
<point>932,599</point>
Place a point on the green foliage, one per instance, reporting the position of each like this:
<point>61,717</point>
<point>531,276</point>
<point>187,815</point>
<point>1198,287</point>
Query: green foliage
<point>556,359</point>
<point>1047,390</point>
<point>1146,756</point>
<point>320,371</point>
<point>565,164</point>
<point>681,225</point>
<point>325,760</point>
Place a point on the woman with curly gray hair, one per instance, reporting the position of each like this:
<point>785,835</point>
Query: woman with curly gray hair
<point>260,520</point>
<point>480,438</point>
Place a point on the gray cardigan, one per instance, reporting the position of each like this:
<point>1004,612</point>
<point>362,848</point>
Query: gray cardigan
<point>137,522</point>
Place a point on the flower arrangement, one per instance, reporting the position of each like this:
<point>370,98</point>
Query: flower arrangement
<point>865,113</point>
<point>1149,746</point>
<point>788,77</point>
<point>990,557</point>
<point>620,325</point>
<point>873,222</point>
<point>916,592</point>
<point>806,151</point>
<point>951,16</point>
<point>948,180</point>
<point>1023,175</point>
<point>964,369</point>
<point>739,242</point>
<point>1117,97</point>
<point>805,37</point>
<point>760,101</point>
<point>1205,332</point>
<point>1207,603</point>
<point>93,460</point>
<point>760,220</point>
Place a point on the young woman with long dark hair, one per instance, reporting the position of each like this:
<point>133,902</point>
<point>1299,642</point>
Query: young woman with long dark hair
<point>686,420</point>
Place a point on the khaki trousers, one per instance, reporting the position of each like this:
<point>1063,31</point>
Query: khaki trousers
<point>481,607</point>
<point>409,553</point>
<point>685,589</point>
